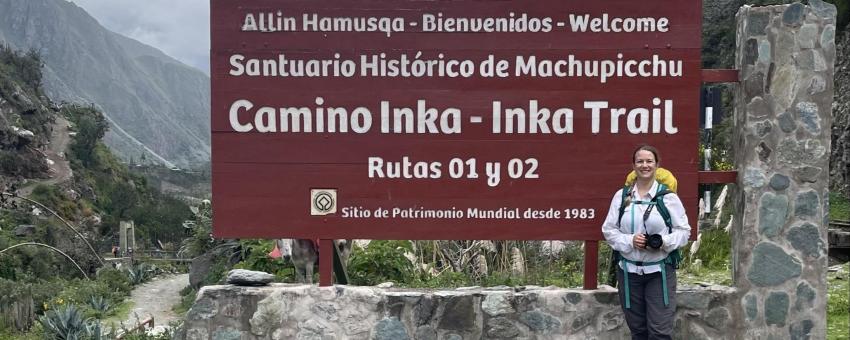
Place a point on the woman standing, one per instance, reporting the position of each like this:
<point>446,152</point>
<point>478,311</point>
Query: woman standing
<point>646,225</point>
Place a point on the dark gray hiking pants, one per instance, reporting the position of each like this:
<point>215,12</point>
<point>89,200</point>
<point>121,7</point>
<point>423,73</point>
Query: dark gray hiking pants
<point>649,318</point>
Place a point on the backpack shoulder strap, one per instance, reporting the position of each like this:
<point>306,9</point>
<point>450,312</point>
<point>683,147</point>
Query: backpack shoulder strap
<point>625,195</point>
<point>662,209</point>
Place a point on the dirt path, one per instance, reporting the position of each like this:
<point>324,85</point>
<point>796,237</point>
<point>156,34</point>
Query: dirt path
<point>60,169</point>
<point>156,298</point>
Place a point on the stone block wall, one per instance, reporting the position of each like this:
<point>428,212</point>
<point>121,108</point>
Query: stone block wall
<point>783,119</point>
<point>285,311</point>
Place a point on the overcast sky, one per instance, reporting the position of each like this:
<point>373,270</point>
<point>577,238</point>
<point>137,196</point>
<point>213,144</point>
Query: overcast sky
<point>180,28</point>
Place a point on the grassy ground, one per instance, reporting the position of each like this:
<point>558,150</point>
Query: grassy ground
<point>706,276</point>
<point>711,263</point>
<point>838,305</point>
<point>6,334</point>
<point>121,313</point>
<point>839,207</point>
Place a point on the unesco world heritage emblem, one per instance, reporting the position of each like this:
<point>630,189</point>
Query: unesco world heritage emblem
<point>322,201</point>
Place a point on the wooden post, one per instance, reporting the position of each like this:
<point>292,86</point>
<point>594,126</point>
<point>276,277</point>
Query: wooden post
<point>326,262</point>
<point>712,177</point>
<point>339,270</point>
<point>591,263</point>
<point>720,76</point>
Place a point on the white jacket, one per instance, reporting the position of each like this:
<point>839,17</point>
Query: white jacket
<point>620,239</point>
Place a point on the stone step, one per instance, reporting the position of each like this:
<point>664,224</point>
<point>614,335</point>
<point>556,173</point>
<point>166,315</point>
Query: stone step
<point>839,238</point>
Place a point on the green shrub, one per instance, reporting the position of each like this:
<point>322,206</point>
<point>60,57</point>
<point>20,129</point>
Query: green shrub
<point>382,261</point>
<point>14,300</point>
<point>9,265</point>
<point>255,253</point>
<point>187,299</point>
<point>116,279</point>
<point>445,279</point>
<point>714,250</point>
<point>201,241</point>
<point>605,273</point>
<point>81,292</point>
<point>564,269</point>
<point>91,126</point>
<point>217,272</point>
<point>42,292</point>
<point>53,198</point>
<point>25,67</point>
<point>9,162</point>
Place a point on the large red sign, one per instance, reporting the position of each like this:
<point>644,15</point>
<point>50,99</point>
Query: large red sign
<point>445,119</point>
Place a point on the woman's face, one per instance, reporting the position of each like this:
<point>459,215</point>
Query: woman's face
<point>645,164</point>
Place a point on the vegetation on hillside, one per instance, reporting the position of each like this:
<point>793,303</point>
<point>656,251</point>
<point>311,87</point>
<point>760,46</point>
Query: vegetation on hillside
<point>109,191</point>
<point>24,110</point>
<point>179,182</point>
<point>42,293</point>
<point>22,69</point>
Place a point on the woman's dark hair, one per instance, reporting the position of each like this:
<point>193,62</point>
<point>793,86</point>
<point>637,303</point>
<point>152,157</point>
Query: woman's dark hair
<point>646,147</point>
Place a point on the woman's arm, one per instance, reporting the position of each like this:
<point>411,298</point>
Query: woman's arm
<point>618,240</point>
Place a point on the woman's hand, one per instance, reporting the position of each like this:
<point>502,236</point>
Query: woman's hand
<point>639,241</point>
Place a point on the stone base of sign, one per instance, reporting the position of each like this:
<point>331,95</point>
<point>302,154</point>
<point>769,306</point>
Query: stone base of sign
<point>286,311</point>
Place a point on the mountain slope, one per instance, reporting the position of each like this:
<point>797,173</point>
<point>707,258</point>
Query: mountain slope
<point>148,97</point>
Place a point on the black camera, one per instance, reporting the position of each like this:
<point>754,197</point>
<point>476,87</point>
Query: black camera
<point>654,241</point>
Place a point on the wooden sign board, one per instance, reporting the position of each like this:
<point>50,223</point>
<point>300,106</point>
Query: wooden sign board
<point>445,119</point>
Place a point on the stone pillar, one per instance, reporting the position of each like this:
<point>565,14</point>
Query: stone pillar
<point>126,236</point>
<point>783,119</point>
<point>122,237</point>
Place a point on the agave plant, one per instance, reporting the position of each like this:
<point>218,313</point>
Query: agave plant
<point>94,331</point>
<point>99,305</point>
<point>138,274</point>
<point>64,323</point>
